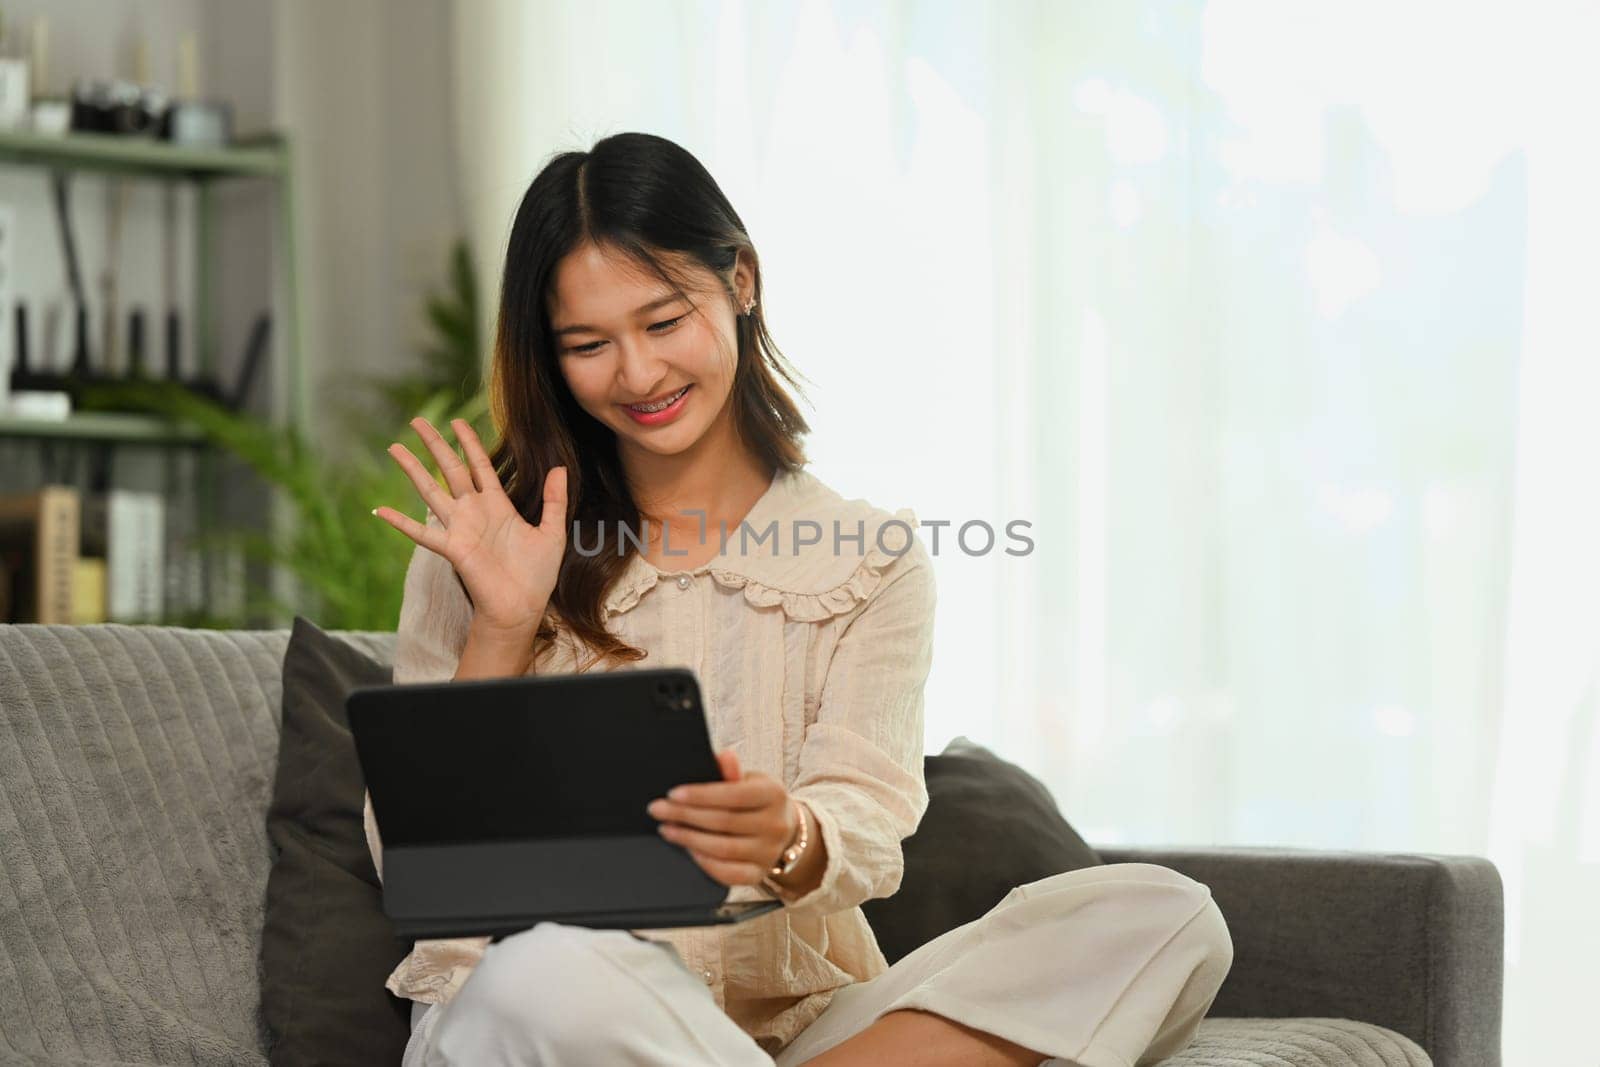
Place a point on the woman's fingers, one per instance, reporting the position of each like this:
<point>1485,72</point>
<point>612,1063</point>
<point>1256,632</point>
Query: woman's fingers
<point>749,792</point>
<point>478,461</point>
<point>554,516</point>
<point>429,537</point>
<point>457,475</point>
<point>427,488</point>
<point>726,873</point>
<point>731,847</point>
<point>719,820</point>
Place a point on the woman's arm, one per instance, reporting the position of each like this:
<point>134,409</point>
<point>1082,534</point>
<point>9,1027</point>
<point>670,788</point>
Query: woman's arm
<point>860,774</point>
<point>807,874</point>
<point>496,655</point>
<point>435,619</point>
<point>435,642</point>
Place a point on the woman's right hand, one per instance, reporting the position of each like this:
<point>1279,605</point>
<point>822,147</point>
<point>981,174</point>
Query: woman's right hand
<point>508,565</point>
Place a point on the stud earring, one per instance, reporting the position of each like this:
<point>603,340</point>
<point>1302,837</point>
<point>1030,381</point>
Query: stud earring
<point>748,306</point>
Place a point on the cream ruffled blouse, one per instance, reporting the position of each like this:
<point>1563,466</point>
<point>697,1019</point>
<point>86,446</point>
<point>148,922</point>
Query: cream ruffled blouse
<point>811,659</point>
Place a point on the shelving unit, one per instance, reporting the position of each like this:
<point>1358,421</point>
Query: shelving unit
<point>203,168</point>
<point>140,155</point>
<point>113,426</point>
<point>145,158</point>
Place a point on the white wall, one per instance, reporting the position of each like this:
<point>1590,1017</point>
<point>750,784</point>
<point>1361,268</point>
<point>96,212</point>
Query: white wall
<point>364,88</point>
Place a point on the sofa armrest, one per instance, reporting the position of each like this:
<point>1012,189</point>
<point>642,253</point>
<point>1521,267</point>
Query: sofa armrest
<point>1412,942</point>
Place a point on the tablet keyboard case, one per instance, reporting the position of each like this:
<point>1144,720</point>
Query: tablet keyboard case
<point>505,801</point>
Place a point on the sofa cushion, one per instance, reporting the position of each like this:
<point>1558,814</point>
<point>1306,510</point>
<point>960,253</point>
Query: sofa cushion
<point>1300,1042</point>
<point>327,946</point>
<point>135,764</point>
<point>990,826</point>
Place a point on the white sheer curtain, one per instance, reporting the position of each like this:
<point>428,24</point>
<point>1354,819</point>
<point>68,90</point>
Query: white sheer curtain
<point>1274,321</point>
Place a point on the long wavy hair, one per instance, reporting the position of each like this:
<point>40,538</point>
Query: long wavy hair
<point>643,196</point>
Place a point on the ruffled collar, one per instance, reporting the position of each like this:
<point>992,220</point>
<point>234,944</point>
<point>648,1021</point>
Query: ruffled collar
<point>765,558</point>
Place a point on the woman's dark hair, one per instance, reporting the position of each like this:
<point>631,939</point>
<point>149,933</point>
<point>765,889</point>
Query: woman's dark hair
<point>640,195</point>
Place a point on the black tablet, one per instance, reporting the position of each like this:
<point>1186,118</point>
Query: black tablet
<point>508,801</point>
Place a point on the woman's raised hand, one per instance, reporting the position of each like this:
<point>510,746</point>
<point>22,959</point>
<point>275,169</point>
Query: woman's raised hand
<point>508,565</point>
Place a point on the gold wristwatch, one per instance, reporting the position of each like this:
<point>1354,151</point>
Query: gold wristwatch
<point>790,857</point>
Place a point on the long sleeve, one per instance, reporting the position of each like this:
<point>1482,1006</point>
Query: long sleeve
<point>435,615</point>
<point>860,769</point>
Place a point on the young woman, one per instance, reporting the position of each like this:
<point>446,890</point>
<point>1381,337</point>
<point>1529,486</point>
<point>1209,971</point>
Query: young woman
<point>648,500</point>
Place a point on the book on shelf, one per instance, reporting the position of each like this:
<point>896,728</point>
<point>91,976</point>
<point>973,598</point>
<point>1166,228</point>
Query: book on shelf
<point>188,558</point>
<point>89,591</point>
<point>39,541</point>
<point>74,557</point>
<point>126,527</point>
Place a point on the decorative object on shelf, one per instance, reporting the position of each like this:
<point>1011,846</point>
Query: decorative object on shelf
<point>69,256</point>
<point>89,591</point>
<point>19,345</point>
<point>117,106</point>
<point>38,404</point>
<point>127,108</point>
<point>116,191</point>
<point>192,120</point>
<point>127,529</point>
<point>80,370</point>
<point>19,395</point>
<point>83,373</point>
<point>51,115</point>
<point>82,379</point>
<point>93,364</point>
<point>10,342</point>
<point>39,533</point>
<point>14,84</point>
<point>255,350</point>
<point>200,123</point>
<point>78,556</point>
<point>135,366</point>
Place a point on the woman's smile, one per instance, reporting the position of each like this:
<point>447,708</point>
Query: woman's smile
<point>662,411</point>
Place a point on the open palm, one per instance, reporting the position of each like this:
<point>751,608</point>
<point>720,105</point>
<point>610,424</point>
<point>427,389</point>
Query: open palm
<point>508,565</point>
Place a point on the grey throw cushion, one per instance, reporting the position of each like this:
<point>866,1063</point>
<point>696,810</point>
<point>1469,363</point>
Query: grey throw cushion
<point>990,826</point>
<point>326,945</point>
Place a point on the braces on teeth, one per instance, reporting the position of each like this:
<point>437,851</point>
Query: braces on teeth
<point>668,402</point>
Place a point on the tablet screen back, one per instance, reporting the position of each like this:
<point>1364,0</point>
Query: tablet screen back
<point>529,757</point>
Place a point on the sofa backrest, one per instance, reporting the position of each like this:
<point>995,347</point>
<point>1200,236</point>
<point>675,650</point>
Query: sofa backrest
<point>136,765</point>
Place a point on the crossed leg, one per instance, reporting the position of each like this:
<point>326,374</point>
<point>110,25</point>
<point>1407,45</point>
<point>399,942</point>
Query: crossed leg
<point>915,1038</point>
<point>1103,966</point>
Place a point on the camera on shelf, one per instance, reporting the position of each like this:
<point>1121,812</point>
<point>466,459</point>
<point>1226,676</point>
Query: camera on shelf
<point>123,107</point>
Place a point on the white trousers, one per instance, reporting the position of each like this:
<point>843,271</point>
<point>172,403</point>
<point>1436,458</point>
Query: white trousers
<point>1105,967</point>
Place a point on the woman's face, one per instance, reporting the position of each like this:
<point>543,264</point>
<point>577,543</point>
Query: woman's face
<point>624,340</point>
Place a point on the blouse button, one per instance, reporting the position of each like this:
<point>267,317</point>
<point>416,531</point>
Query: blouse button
<point>683,581</point>
<point>707,976</point>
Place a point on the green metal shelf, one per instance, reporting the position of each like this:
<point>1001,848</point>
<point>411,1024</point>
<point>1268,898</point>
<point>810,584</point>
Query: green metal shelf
<point>136,157</point>
<point>124,427</point>
<point>119,154</point>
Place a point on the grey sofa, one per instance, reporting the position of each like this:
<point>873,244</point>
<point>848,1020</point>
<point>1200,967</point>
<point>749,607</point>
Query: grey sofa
<point>136,765</point>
